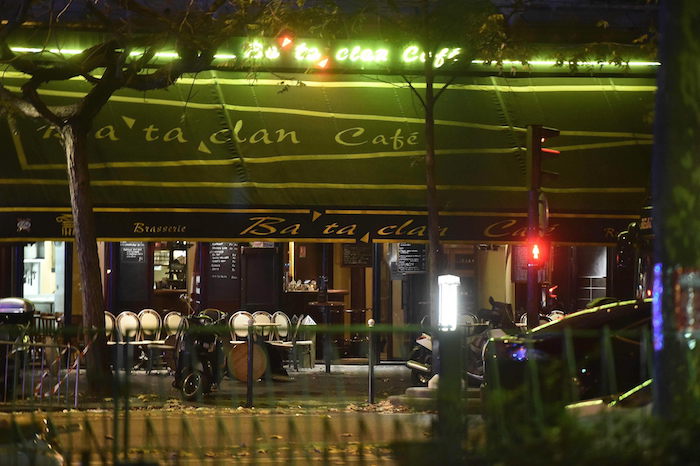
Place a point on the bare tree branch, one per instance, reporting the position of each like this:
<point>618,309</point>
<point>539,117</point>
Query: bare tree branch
<point>30,93</point>
<point>14,102</point>
<point>444,87</point>
<point>414,90</point>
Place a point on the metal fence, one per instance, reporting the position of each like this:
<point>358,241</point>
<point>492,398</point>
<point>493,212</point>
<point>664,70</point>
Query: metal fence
<point>332,412</point>
<point>38,374</point>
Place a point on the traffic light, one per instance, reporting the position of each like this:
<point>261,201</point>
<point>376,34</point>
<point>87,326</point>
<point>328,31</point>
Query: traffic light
<point>537,135</point>
<point>537,252</point>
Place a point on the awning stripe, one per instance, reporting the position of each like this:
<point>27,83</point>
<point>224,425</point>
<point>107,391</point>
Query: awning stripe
<point>342,186</point>
<point>388,85</point>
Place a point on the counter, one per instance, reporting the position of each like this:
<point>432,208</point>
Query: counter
<point>296,302</point>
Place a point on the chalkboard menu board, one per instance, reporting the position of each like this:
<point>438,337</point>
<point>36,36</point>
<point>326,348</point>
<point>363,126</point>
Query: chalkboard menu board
<point>411,258</point>
<point>132,252</point>
<point>133,284</point>
<point>357,255</point>
<point>223,261</point>
<point>223,271</point>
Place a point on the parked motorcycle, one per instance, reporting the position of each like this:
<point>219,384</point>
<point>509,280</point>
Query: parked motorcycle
<point>421,359</point>
<point>200,356</point>
<point>488,323</point>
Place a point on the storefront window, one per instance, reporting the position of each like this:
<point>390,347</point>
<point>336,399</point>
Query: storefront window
<point>170,265</point>
<point>44,275</point>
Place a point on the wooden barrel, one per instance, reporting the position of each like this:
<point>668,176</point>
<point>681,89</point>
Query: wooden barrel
<point>237,361</point>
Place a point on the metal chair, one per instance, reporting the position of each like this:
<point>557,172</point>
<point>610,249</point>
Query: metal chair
<point>281,331</point>
<point>263,317</point>
<point>297,344</point>
<point>128,327</point>
<point>238,323</point>
<point>128,338</point>
<point>151,328</point>
<point>151,325</point>
<point>172,322</point>
<point>110,327</point>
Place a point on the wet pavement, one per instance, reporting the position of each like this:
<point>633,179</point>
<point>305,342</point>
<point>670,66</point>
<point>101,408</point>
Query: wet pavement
<point>346,384</point>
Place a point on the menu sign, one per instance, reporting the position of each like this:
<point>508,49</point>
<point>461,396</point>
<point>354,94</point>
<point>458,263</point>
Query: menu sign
<point>132,252</point>
<point>132,279</point>
<point>411,258</point>
<point>223,261</point>
<point>357,255</point>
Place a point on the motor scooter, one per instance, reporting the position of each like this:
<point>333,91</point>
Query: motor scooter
<point>200,356</point>
<point>486,324</point>
<point>421,359</point>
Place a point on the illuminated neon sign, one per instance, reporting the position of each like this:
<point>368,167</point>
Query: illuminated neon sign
<point>303,52</point>
<point>287,51</point>
<point>413,53</point>
<point>256,50</point>
<point>360,54</point>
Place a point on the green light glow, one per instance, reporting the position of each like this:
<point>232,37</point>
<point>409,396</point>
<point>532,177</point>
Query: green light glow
<point>412,54</point>
<point>65,51</point>
<point>303,52</point>
<point>365,55</point>
<point>167,55</point>
<point>256,50</point>
<point>555,62</point>
<point>631,392</point>
<point>355,54</point>
<point>26,50</point>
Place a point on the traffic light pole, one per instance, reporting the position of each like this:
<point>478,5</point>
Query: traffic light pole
<point>534,166</point>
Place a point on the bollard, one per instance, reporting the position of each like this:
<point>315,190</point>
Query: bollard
<point>249,382</point>
<point>326,339</point>
<point>451,424</point>
<point>370,361</point>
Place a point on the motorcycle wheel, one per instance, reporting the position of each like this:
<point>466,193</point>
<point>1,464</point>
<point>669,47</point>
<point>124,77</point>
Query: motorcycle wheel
<point>474,363</point>
<point>420,378</point>
<point>193,386</point>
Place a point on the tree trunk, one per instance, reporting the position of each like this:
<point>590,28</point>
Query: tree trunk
<point>99,375</point>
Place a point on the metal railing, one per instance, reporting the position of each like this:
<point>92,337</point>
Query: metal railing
<point>36,374</point>
<point>355,412</point>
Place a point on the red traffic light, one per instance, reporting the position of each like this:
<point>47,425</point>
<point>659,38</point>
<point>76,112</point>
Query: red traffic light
<point>537,252</point>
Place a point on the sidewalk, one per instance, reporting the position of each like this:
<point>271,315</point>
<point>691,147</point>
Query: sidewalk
<point>308,388</point>
<point>345,385</point>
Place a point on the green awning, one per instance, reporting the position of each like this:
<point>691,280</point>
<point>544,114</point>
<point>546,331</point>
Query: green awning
<point>221,142</point>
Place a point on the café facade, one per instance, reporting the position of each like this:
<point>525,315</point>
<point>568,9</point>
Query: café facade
<point>241,191</point>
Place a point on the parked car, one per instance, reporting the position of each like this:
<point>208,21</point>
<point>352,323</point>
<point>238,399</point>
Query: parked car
<point>606,355</point>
